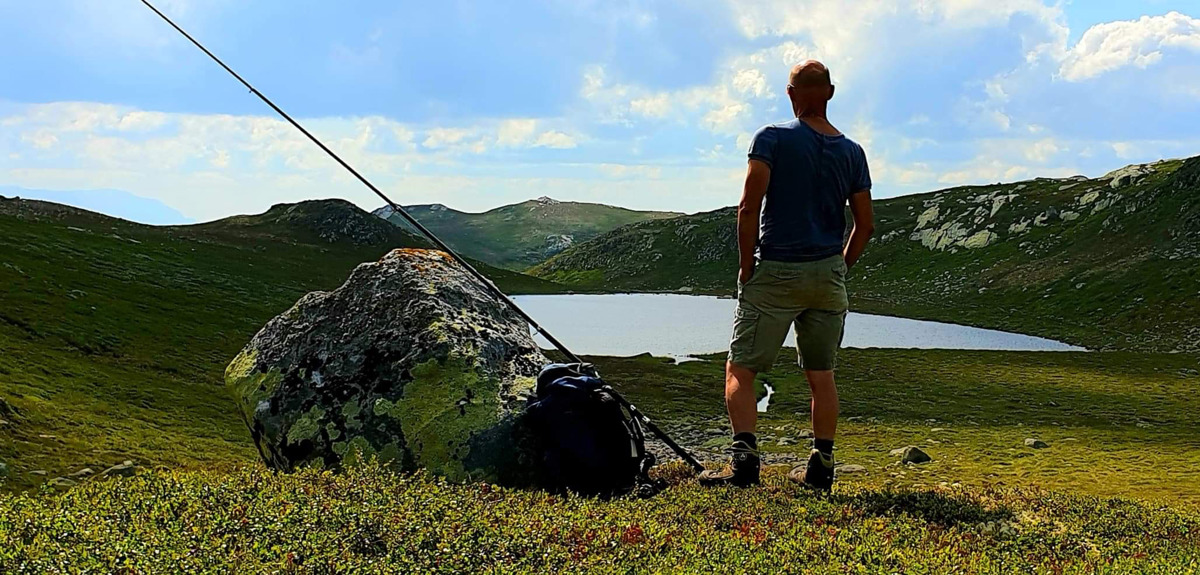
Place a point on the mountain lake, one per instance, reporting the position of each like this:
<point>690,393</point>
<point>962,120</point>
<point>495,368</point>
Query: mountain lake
<point>681,326</point>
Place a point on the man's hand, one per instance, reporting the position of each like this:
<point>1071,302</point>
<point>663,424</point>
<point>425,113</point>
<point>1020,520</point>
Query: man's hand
<point>758,176</point>
<point>864,226</point>
<point>746,272</point>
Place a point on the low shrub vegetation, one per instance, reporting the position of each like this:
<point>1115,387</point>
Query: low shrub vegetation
<point>371,520</point>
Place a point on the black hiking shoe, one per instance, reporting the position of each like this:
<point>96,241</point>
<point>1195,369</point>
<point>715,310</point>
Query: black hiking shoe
<point>742,470</point>
<point>817,474</point>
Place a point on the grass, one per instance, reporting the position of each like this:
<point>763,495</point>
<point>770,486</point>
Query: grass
<point>371,520</point>
<point>1117,423</point>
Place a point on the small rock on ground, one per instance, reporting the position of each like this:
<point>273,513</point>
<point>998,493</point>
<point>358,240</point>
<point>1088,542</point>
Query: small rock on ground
<point>86,471</point>
<point>124,469</point>
<point>851,469</point>
<point>62,483</point>
<point>911,454</point>
<point>1036,443</point>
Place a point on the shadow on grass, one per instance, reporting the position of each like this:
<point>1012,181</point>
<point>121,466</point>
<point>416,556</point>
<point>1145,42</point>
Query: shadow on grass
<point>931,507</point>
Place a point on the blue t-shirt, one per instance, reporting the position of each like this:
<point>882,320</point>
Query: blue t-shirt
<point>812,177</point>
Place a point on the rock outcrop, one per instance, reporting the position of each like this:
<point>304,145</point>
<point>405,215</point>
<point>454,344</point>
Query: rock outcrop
<point>411,361</point>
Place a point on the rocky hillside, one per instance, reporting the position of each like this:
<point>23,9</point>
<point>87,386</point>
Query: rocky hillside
<point>1108,262</point>
<point>521,235</point>
<point>314,221</point>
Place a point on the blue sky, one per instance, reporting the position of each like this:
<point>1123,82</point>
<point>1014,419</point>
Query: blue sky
<point>645,104</point>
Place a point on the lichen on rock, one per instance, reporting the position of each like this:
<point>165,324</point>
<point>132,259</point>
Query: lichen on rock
<point>412,361</point>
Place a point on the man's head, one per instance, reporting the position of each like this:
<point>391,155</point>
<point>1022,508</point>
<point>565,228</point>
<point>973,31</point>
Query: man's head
<point>809,86</point>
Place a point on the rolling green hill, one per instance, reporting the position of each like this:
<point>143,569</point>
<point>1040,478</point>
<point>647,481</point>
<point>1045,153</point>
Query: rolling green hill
<point>521,235</point>
<point>1108,263</point>
<point>114,336</point>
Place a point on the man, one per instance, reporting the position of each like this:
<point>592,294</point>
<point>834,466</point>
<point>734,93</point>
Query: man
<point>791,225</point>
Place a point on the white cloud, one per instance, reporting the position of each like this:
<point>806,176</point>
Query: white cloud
<point>1124,150</point>
<point>515,132</point>
<point>1113,45</point>
<point>625,171</point>
<point>556,140</point>
<point>40,139</point>
<point>220,160</point>
<point>1042,151</point>
<point>442,137</point>
<point>653,106</point>
<point>724,106</point>
<point>172,156</point>
<point>845,32</point>
<point>752,82</point>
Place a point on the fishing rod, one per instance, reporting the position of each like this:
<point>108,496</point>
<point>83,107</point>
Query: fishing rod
<point>489,284</point>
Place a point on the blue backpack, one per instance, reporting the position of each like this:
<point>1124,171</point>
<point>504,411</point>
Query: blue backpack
<point>587,443</point>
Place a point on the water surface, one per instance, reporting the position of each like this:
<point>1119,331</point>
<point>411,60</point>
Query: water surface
<point>679,326</point>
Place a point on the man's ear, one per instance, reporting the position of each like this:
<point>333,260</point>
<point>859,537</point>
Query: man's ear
<point>831,89</point>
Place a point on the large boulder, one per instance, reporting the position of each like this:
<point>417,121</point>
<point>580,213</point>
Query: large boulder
<point>411,361</point>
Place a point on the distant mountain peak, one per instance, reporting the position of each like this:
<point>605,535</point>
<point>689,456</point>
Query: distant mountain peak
<point>517,236</point>
<point>331,220</point>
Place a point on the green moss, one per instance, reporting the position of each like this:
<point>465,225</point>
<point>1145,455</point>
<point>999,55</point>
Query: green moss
<point>357,450</point>
<point>350,412</point>
<point>307,426</point>
<point>437,417</point>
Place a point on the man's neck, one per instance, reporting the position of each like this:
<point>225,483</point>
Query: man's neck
<point>811,110</point>
<point>818,122</point>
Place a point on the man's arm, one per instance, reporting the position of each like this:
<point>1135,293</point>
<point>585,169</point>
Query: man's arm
<point>864,226</point>
<point>758,175</point>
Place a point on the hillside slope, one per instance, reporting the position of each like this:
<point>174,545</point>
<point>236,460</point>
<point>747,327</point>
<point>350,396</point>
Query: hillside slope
<point>114,336</point>
<point>520,235</point>
<point>1110,262</point>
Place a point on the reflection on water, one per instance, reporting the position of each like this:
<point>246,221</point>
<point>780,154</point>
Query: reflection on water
<point>765,402</point>
<point>676,325</point>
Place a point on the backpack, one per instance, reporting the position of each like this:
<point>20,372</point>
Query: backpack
<point>587,443</point>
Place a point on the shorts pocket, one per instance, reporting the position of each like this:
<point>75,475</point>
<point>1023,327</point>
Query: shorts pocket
<point>840,268</point>
<point>745,327</point>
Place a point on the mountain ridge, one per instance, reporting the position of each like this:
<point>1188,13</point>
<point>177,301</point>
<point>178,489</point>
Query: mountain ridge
<point>517,236</point>
<point>972,254</point>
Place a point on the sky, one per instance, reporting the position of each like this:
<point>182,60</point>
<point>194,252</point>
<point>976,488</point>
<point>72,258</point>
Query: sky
<point>639,103</point>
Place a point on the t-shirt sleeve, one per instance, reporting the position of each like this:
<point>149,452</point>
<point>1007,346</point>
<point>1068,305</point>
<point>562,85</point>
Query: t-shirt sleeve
<point>863,182</point>
<point>762,146</point>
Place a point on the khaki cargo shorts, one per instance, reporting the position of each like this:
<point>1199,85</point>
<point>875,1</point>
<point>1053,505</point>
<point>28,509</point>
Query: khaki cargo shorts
<point>808,295</point>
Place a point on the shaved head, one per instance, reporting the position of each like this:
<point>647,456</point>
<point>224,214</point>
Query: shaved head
<point>809,74</point>
<point>809,88</point>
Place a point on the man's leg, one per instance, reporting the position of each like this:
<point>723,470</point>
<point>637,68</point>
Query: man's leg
<point>744,463</point>
<point>741,401</point>
<point>818,336</point>
<point>824,406</point>
<point>758,333</point>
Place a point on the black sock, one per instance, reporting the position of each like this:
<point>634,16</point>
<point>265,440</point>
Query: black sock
<point>748,438</point>
<point>824,446</point>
